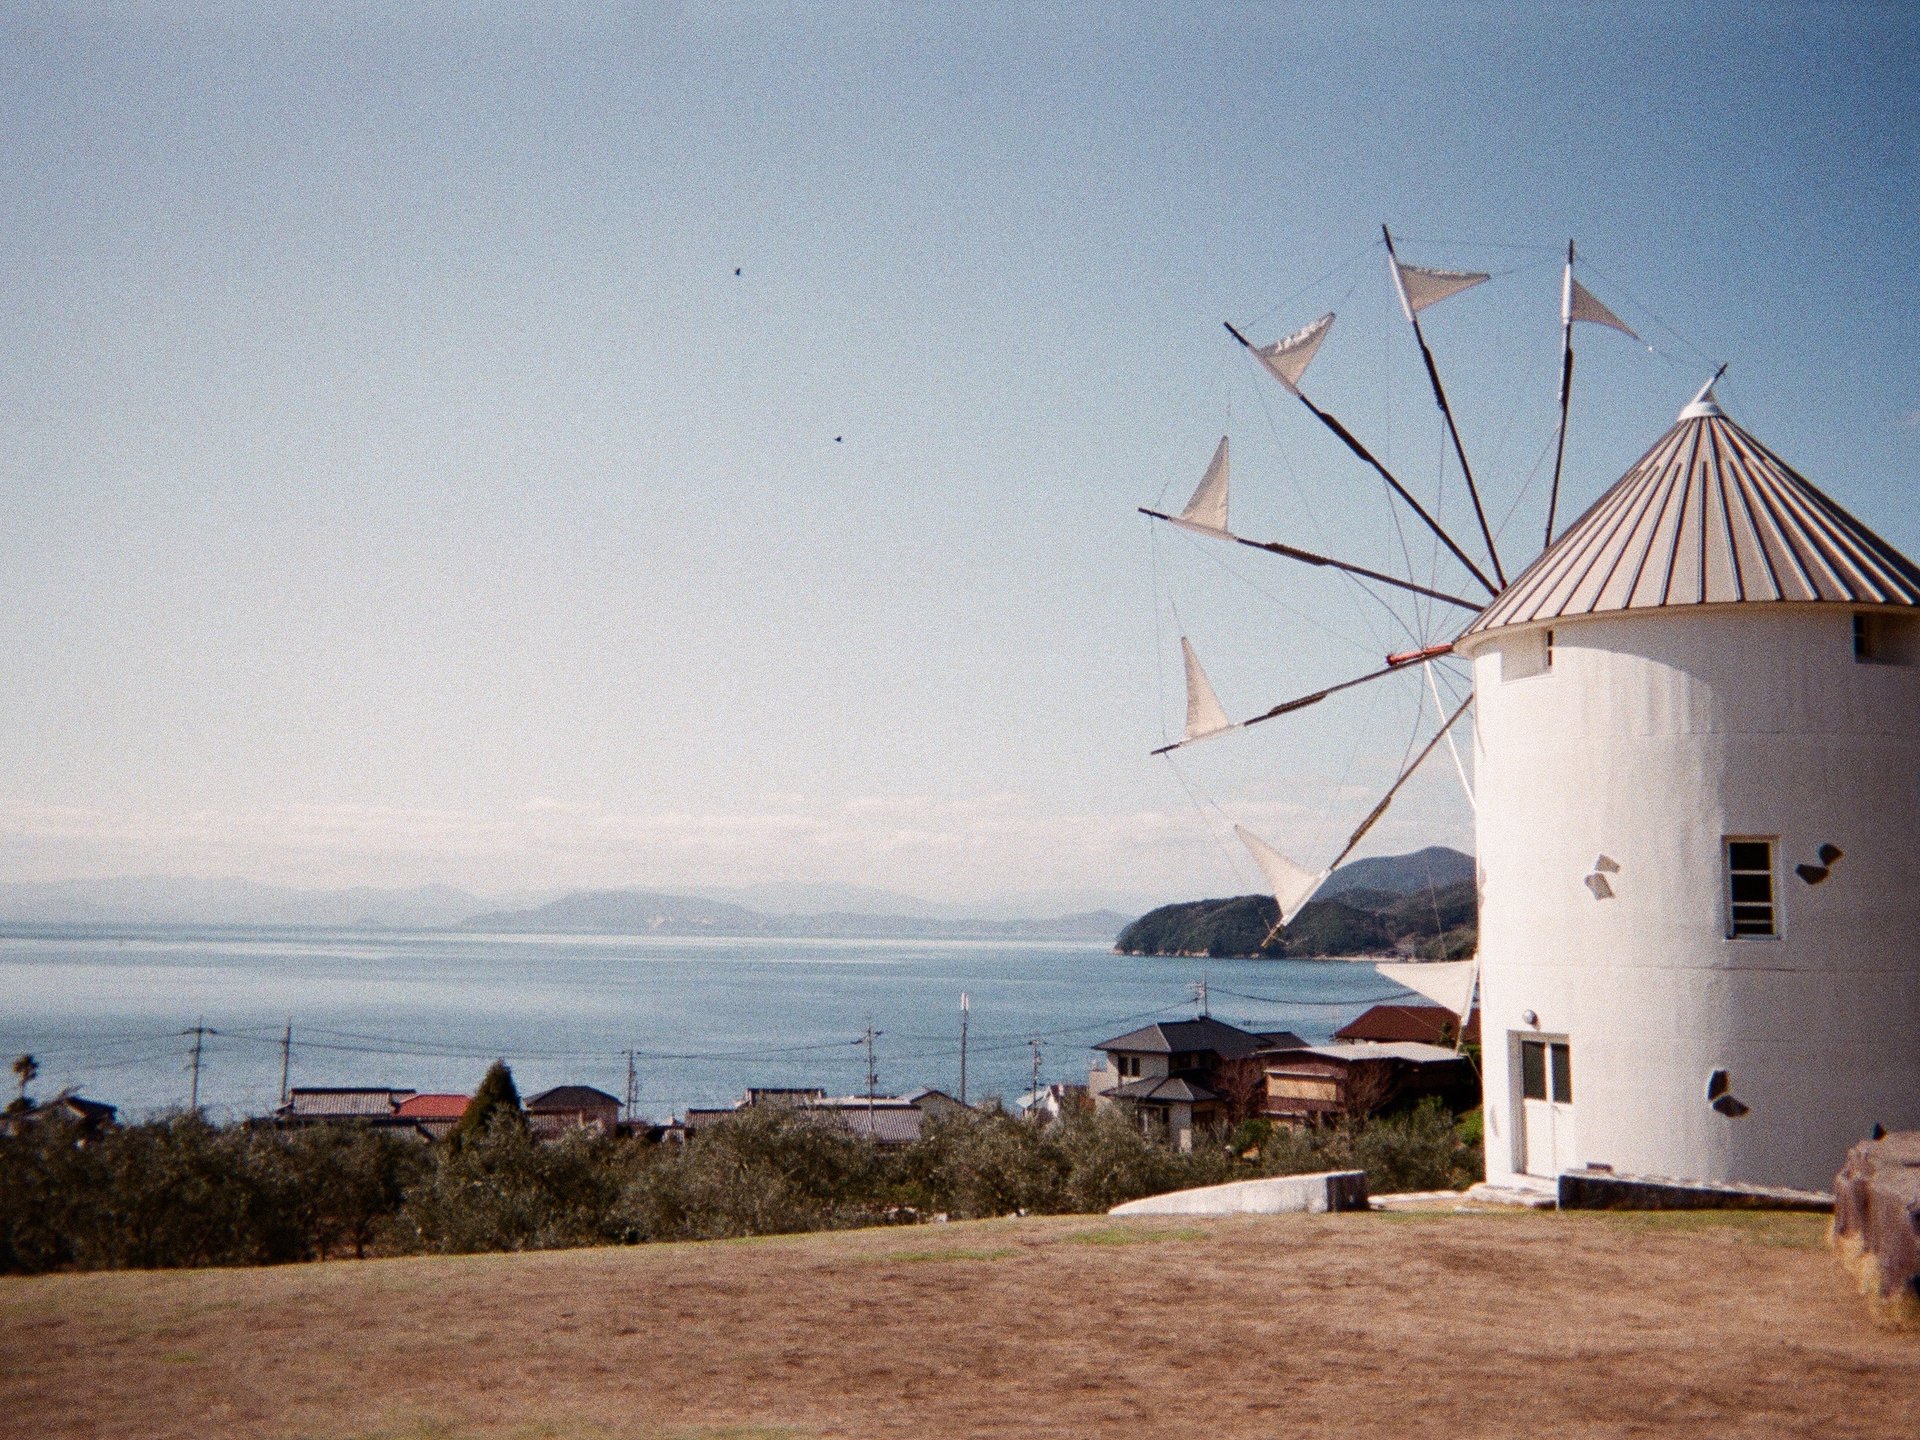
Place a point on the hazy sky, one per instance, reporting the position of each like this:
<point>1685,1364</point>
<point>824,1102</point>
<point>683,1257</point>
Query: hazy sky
<point>400,485</point>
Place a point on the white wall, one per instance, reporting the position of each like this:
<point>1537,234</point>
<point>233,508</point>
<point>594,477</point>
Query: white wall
<point>1649,739</point>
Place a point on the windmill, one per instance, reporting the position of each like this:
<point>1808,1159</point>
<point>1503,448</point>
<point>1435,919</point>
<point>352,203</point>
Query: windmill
<point>1286,360</point>
<point>1697,711</point>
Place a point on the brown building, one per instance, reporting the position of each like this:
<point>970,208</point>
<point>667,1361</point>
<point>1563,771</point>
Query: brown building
<point>1312,1083</point>
<point>1426,1024</point>
<point>567,1107</point>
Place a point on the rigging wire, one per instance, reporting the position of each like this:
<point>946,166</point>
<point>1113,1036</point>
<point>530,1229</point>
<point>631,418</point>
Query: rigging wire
<point>1618,287</point>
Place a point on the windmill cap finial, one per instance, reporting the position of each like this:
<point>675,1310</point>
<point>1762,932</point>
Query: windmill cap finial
<point>1705,405</point>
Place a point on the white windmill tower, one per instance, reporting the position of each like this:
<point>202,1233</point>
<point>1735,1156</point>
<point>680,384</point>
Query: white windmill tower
<point>1697,770</point>
<point>1697,767</point>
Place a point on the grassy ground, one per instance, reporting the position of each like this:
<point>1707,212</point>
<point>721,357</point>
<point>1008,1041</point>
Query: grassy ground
<point>1355,1325</point>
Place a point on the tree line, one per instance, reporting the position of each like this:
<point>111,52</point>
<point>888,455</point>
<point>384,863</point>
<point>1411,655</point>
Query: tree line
<point>180,1191</point>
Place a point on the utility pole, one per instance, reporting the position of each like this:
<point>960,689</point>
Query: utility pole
<point>1033,1110</point>
<point>1200,996</point>
<point>286,1060</point>
<point>873,1076</point>
<point>199,1033</point>
<point>966,1007</point>
<point>633,1089</point>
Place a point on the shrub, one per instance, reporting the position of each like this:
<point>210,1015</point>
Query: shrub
<point>764,1170</point>
<point>496,1095</point>
<point>503,1190</point>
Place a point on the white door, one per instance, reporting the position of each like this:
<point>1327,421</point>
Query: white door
<point>1546,1106</point>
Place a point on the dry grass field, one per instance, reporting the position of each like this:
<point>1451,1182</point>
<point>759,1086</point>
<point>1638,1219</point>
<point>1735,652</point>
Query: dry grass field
<point>1356,1325</point>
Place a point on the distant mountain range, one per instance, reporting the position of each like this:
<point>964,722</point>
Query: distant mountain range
<point>849,912</point>
<point>1368,906</point>
<point>645,912</point>
<point>1421,905</point>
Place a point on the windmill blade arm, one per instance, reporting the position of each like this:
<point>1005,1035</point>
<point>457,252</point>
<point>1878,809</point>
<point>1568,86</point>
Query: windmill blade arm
<point>1352,442</point>
<point>1395,664</point>
<point>1440,398</point>
<point>1374,814</point>
<point>1309,557</point>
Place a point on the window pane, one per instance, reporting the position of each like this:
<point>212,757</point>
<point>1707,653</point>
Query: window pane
<point>1749,855</point>
<point>1752,889</point>
<point>1533,1069</point>
<point>1753,920</point>
<point>1563,1074</point>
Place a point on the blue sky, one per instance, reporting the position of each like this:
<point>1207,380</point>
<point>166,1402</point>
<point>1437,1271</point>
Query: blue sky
<point>401,485</point>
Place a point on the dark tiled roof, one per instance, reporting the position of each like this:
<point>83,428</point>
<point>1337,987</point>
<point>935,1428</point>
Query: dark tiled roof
<point>1181,1037</point>
<point>1162,1090</point>
<point>1279,1039</point>
<point>573,1097</point>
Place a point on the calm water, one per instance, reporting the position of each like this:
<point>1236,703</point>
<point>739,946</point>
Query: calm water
<point>104,1009</point>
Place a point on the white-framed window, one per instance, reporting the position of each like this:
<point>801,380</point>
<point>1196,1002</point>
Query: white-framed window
<point>1752,912</point>
<point>1546,1071</point>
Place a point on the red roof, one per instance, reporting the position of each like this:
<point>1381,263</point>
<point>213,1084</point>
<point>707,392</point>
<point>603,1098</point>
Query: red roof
<point>1430,1024</point>
<point>432,1107</point>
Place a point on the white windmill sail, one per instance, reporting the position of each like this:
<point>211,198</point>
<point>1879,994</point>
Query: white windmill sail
<point>1287,358</point>
<point>1205,715</point>
<point>1450,983</point>
<point>1293,884</point>
<point>1578,303</point>
<point>1206,512</point>
<point>1421,286</point>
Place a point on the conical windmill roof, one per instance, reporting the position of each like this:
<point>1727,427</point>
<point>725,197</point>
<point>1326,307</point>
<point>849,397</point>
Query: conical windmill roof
<point>1708,516</point>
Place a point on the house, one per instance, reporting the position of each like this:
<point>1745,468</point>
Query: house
<point>1053,1102</point>
<point>568,1107</point>
<point>1183,1075</point>
<point>89,1116</point>
<point>887,1120</point>
<point>433,1115</point>
<point>1306,1084</point>
<point>332,1104</point>
<point>1427,1024</point>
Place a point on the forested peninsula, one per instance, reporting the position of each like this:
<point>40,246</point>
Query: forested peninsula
<point>1423,906</point>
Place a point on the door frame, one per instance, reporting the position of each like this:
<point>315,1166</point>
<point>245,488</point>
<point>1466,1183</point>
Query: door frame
<point>1517,1040</point>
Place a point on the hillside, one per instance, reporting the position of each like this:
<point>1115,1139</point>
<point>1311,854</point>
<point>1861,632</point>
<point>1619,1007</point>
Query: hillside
<point>1433,868</point>
<point>1431,923</point>
<point>1608,1324</point>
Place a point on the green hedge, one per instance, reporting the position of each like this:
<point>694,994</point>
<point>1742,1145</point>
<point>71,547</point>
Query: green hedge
<point>181,1192</point>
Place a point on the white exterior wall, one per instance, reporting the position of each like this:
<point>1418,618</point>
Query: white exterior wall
<point>1650,739</point>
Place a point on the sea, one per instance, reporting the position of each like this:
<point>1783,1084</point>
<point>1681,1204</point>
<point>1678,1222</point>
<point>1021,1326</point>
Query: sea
<point>117,1012</point>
